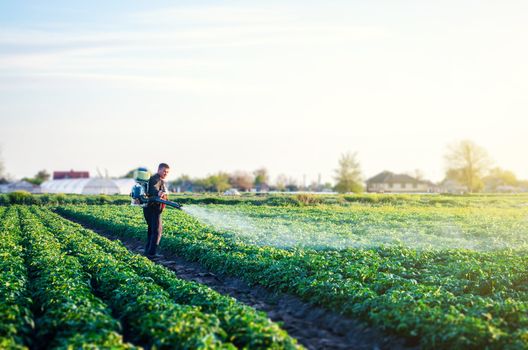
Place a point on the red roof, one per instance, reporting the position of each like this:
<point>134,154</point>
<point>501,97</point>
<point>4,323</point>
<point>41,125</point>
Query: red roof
<point>58,175</point>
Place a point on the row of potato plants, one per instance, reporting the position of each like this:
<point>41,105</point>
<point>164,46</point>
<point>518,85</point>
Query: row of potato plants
<point>16,319</point>
<point>442,299</point>
<point>194,316</point>
<point>149,316</point>
<point>284,199</point>
<point>67,313</point>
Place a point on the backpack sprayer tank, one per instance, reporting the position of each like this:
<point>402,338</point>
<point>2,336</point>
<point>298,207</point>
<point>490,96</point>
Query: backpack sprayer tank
<point>140,190</point>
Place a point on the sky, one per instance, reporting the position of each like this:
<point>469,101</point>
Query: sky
<point>238,85</point>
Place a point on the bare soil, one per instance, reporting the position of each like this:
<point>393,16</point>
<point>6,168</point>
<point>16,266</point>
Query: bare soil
<point>313,326</point>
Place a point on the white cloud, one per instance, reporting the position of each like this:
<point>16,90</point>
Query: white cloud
<point>161,56</point>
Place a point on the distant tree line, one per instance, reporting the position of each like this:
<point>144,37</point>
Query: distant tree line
<point>470,165</point>
<point>240,180</point>
<point>467,165</point>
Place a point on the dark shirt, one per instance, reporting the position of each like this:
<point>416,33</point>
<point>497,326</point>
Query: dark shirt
<point>155,185</point>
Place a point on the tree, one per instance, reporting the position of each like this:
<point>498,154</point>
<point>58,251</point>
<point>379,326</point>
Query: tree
<point>200,185</point>
<point>218,182</point>
<point>241,180</point>
<point>39,178</point>
<point>348,174</point>
<point>261,177</point>
<point>42,176</point>
<point>466,164</point>
<point>499,177</point>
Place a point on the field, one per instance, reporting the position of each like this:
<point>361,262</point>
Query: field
<point>437,272</point>
<point>62,287</point>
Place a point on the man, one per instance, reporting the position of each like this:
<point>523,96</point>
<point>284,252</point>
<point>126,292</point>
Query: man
<point>152,212</point>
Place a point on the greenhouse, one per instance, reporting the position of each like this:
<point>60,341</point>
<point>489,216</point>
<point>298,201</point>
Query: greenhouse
<point>88,186</point>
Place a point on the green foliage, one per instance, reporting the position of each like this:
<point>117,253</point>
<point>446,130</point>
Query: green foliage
<point>442,298</point>
<point>141,304</point>
<point>20,197</point>
<point>99,199</point>
<point>474,200</point>
<point>23,197</point>
<point>70,315</point>
<point>218,182</point>
<point>17,197</point>
<point>261,177</point>
<point>142,293</point>
<point>498,177</point>
<point>16,321</point>
<point>39,178</point>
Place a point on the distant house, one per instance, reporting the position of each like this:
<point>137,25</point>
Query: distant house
<point>60,175</point>
<point>388,182</point>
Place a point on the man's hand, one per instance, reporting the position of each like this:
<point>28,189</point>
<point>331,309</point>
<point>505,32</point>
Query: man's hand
<point>162,195</point>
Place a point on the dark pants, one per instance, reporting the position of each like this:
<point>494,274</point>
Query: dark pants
<point>152,215</point>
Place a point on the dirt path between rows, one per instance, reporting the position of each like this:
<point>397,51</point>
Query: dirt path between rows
<point>312,326</point>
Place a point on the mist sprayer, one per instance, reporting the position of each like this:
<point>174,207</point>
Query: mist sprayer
<point>140,189</point>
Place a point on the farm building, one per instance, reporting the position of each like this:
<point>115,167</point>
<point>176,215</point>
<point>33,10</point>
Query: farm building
<point>388,182</point>
<point>20,186</point>
<point>88,186</point>
<point>59,175</point>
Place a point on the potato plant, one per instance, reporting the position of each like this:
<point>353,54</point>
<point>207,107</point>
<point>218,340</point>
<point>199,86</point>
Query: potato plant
<point>442,298</point>
<point>65,287</point>
<point>240,325</point>
<point>68,314</point>
<point>16,319</point>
